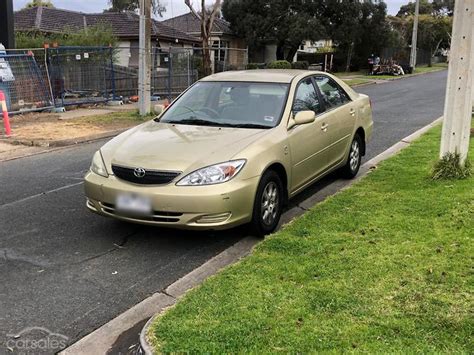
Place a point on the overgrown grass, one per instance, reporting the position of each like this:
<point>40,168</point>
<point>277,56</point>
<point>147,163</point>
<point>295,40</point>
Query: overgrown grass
<point>449,168</point>
<point>385,266</point>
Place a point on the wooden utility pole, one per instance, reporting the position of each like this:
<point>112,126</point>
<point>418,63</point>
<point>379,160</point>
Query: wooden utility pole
<point>459,92</point>
<point>414,38</point>
<point>144,65</point>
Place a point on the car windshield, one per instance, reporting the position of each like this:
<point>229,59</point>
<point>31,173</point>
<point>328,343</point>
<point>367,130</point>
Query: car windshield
<point>229,104</point>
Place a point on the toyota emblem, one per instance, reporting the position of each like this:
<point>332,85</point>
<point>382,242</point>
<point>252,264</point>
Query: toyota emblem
<point>139,172</point>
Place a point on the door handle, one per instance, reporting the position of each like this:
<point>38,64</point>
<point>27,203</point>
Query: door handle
<point>324,127</point>
<point>353,113</point>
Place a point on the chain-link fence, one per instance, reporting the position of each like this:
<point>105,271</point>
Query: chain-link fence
<point>64,76</point>
<point>81,75</point>
<point>173,69</point>
<point>25,81</point>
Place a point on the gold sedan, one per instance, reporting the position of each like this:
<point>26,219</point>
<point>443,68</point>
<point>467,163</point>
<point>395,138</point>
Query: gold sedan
<point>231,150</point>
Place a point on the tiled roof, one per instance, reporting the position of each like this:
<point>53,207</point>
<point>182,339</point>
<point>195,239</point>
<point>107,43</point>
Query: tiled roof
<point>190,24</point>
<point>123,24</point>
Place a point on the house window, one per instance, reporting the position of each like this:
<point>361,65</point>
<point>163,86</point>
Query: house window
<point>220,50</point>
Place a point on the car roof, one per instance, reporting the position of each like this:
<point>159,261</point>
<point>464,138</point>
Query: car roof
<point>260,75</point>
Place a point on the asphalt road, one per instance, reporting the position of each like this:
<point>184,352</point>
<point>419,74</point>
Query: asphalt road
<point>69,271</point>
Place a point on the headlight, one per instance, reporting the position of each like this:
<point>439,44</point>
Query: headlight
<point>214,174</point>
<point>98,165</point>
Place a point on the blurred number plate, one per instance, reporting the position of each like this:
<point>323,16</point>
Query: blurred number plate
<point>133,204</point>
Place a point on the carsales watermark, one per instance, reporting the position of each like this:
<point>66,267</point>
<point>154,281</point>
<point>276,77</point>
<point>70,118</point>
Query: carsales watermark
<point>34,340</point>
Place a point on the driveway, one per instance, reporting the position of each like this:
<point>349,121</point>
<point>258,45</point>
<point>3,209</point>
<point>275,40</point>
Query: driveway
<point>67,270</point>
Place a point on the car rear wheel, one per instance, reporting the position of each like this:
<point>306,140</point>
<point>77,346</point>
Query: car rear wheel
<point>350,170</point>
<point>268,204</point>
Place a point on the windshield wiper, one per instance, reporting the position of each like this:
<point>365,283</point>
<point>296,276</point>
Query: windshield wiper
<point>249,125</point>
<point>201,122</point>
<point>194,121</point>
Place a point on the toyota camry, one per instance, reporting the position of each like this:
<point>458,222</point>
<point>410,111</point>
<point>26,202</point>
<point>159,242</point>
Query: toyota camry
<point>232,149</point>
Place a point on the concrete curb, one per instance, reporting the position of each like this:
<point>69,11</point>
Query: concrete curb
<point>102,339</point>
<point>56,145</point>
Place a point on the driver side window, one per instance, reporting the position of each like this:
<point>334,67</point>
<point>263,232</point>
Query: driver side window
<point>306,97</point>
<point>332,95</point>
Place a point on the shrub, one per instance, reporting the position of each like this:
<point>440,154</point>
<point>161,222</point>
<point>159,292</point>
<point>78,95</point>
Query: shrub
<point>450,168</point>
<point>99,35</point>
<point>279,64</point>
<point>252,66</point>
<point>301,64</point>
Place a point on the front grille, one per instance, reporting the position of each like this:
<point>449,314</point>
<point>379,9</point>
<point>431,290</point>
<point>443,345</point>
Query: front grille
<point>158,216</point>
<point>151,177</point>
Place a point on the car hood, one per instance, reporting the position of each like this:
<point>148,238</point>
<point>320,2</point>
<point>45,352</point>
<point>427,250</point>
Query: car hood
<point>163,146</point>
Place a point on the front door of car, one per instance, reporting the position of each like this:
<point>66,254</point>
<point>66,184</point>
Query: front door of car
<point>307,141</point>
<point>341,116</point>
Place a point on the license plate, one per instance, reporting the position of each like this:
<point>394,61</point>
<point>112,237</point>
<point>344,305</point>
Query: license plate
<point>133,204</point>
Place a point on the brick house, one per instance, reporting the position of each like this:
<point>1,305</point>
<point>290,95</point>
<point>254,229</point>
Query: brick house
<point>125,26</point>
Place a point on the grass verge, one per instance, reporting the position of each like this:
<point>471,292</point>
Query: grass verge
<point>357,81</point>
<point>43,129</point>
<point>362,75</point>
<point>385,266</point>
<point>116,117</point>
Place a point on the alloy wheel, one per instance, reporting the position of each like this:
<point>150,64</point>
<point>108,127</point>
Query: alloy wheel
<point>270,203</point>
<point>354,157</point>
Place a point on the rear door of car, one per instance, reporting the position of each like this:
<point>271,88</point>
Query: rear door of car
<point>308,141</point>
<point>340,117</point>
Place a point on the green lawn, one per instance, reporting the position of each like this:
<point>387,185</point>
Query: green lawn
<point>385,266</point>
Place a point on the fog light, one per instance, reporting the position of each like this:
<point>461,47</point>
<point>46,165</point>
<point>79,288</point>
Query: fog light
<point>90,205</point>
<point>214,218</point>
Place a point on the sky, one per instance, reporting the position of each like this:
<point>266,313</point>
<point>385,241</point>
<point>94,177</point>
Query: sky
<point>174,7</point>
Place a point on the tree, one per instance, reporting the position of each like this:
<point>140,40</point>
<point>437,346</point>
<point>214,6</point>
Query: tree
<point>133,5</point>
<point>434,32</point>
<point>285,22</point>
<point>426,8</point>
<point>358,29</point>
<point>436,7</point>
<point>207,17</point>
<point>37,3</point>
<point>444,7</point>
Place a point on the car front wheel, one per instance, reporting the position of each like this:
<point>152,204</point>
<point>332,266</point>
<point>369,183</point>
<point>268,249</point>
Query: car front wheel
<point>268,204</point>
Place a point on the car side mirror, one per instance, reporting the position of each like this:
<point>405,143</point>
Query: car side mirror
<point>302,117</point>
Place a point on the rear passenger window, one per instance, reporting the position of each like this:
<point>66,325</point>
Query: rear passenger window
<point>306,97</point>
<point>332,94</point>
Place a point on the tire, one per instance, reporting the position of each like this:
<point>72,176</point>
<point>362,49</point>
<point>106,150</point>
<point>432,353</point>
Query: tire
<point>268,204</point>
<point>350,170</point>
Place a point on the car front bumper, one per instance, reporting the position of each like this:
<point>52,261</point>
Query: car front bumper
<point>219,206</point>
